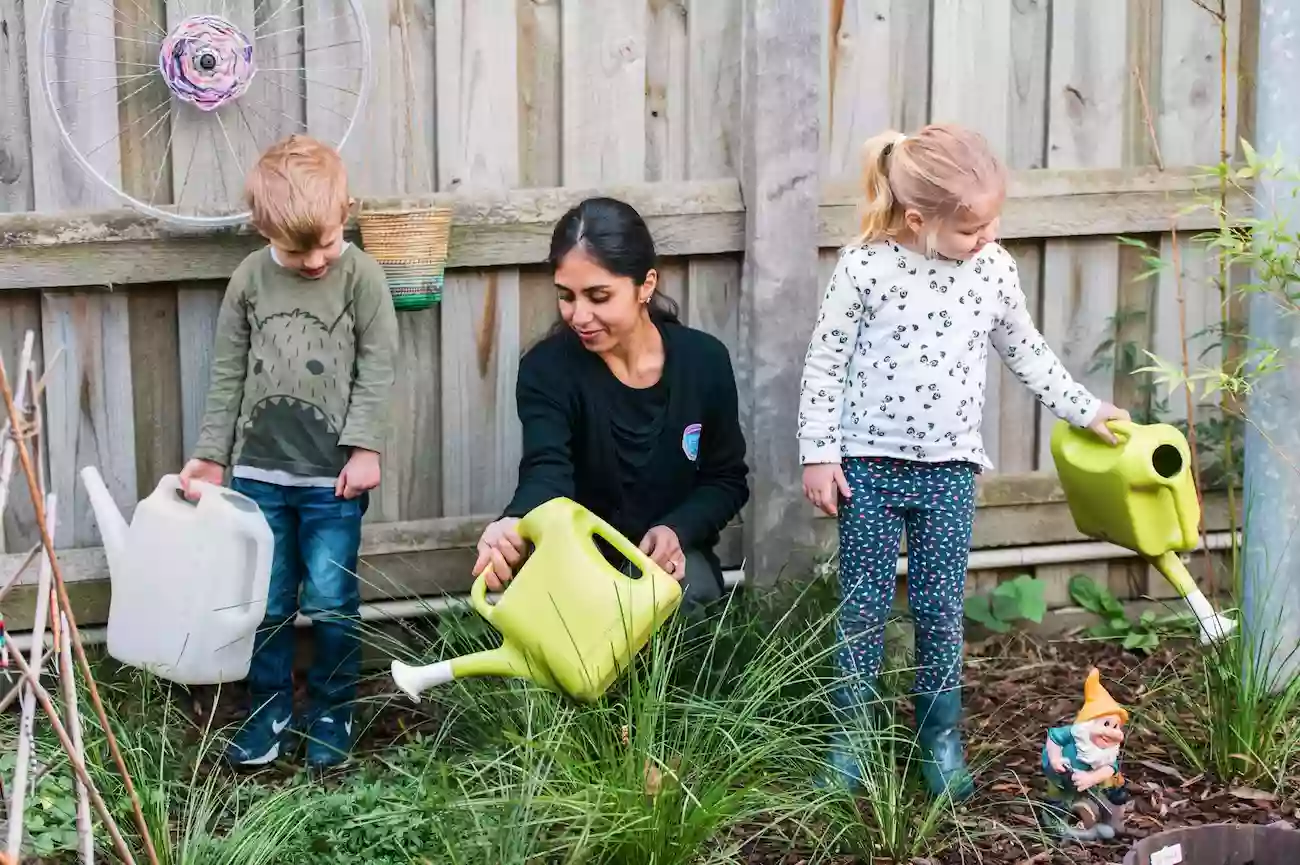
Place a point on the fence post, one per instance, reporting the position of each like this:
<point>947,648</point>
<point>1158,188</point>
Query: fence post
<point>1271,578</point>
<point>779,290</point>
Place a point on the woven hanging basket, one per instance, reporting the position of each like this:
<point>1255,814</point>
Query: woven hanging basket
<point>411,247</point>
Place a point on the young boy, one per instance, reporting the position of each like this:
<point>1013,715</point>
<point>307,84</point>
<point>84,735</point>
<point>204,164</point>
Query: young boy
<point>297,408</point>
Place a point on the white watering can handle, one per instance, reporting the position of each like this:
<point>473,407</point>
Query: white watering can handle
<point>257,533</point>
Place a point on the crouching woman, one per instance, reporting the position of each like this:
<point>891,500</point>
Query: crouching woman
<point>625,410</point>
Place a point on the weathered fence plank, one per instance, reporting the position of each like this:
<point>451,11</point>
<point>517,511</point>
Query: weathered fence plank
<point>540,73</point>
<point>604,84</point>
<point>780,292</point>
<point>713,118</point>
<point>478,149</point>
<point>19,311</point>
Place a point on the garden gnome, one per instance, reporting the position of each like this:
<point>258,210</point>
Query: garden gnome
<point>1081,762</point>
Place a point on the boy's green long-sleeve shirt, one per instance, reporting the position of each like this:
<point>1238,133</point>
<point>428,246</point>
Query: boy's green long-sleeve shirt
<point>302,368</point>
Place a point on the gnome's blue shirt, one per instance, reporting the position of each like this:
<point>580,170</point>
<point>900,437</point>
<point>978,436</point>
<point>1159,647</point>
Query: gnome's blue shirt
<point>1064,738</point>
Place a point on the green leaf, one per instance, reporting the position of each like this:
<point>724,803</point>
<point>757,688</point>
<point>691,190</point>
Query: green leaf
<point>1086,593</point>
<point>1019,598</point>
<point>1093,597</point>
<point>979,610</point>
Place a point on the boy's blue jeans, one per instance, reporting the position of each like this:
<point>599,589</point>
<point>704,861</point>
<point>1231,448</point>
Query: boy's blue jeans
<point>317,536</point>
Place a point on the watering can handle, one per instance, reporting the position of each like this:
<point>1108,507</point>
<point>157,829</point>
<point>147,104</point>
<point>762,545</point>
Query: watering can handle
<point>1121,428</point>
<point>478,594</point>
<point>629,550</point>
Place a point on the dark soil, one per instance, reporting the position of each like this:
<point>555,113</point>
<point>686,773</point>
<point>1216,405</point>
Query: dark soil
<point>1016,689</point>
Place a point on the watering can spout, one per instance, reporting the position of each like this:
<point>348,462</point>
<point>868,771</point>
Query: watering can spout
<point>504,661</point>
<point>112,525</point>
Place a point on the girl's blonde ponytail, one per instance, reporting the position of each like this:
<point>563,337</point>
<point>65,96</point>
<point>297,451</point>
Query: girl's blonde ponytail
<point>878,207</point>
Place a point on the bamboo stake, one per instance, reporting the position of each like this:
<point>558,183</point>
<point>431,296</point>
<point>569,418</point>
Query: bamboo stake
<point>18,800</point>
<point>25,457</point>
<point>43,697</point>
<point>85,830</point>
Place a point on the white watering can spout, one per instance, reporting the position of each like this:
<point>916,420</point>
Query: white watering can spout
<point>112,525</point>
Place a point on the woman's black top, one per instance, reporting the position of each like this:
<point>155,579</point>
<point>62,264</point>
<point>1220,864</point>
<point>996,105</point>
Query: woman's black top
<point>672,454</point>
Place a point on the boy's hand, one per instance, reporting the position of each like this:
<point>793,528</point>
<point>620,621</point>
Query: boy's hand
<point>823,484</point>
<point>360,475</point>
<point>205,471</point>
<point>1107,412</point>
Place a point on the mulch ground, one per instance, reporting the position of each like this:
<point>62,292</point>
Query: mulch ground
<point>1016,689</point>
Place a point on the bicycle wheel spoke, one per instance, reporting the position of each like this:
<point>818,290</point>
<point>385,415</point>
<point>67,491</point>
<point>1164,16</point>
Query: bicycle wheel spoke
<point>163,164</point>
<point>320,48</point>
<point>129,127</point>
<point>284,4</point>
<point>299,28</point>
<point>112,18</point>
<point>103,92</point>
<point>229,144</point>
<point>295,93</point>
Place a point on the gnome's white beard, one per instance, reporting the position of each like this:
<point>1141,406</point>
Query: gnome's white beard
<point>1089,753</point>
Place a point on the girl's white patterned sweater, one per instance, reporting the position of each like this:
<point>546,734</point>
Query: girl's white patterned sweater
<point>897,362</point>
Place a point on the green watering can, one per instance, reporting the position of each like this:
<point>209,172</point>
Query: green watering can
<point>570,621</point>
<point>1140,495</point>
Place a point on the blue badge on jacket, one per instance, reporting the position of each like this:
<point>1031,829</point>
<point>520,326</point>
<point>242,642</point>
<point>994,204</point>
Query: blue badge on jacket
<point>691,441</point>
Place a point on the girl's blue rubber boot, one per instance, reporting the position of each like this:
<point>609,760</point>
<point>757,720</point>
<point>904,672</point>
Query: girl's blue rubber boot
<point>938,733</point>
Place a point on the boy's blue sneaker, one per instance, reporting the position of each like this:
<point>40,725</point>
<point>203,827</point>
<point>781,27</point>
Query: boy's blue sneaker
<point>329,739</point>
<point>266,735</point>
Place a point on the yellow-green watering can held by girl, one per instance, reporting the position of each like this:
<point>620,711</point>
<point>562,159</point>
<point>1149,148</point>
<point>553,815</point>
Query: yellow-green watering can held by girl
<point>1140,495</point>
<point>569,620</point>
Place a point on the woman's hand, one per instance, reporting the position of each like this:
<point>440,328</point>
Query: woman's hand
<point>1107,412</point>
<point>361,474</point>
<point>501,550</point>
<point>201,470</point>
<point>823,483</point>
<point>663,548</point>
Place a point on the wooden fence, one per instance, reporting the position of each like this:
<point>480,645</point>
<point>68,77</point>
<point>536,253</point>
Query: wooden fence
<point>734,126</point>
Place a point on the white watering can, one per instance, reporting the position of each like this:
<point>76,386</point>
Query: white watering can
<point>189,580</point>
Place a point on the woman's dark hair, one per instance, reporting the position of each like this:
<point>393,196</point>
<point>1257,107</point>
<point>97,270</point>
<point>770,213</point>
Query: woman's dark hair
<point>616,238</point>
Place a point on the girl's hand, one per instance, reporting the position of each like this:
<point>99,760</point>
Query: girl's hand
<point>1107,412</point>
<point>663,548</point>
<point>823,483</point>
<point>205,471</point>
<point>500,550</point>
<point>361,474</point>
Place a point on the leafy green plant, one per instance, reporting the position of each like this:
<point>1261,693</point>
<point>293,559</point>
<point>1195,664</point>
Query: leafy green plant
<point>1013,601</point>
<point>1142,634</point>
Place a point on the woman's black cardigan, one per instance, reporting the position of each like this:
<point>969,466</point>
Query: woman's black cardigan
<point>569,448</point>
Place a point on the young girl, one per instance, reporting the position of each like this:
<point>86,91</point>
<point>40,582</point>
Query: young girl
<point>890,410</point>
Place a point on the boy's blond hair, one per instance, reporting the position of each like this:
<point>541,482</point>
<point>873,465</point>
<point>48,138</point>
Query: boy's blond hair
<point>937,172</point>
<point>298,191</point>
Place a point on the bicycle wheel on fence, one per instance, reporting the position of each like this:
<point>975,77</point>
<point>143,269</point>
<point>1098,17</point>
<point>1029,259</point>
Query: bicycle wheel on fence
<point>170,112</point>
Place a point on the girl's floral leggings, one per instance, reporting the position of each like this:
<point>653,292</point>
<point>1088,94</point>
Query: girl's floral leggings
<point>936,504</point>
